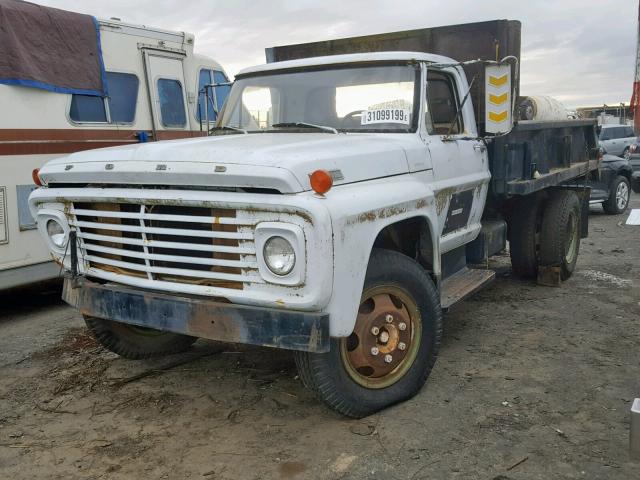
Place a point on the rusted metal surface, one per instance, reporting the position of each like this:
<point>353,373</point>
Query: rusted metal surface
<point>385,340</point>
<point>200,317</point>
<point>463,284</point>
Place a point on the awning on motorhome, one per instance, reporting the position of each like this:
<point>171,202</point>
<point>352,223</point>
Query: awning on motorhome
<point>51,49</point>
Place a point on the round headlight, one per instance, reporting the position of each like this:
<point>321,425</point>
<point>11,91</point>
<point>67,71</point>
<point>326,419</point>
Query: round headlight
<point>56,233</point>
<point>279,255</point>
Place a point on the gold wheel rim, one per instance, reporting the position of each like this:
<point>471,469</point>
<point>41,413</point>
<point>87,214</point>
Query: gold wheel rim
<point>386,337</point>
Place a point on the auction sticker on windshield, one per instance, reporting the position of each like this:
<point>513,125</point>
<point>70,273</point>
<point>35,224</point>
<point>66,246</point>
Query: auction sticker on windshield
<point>386,115</point>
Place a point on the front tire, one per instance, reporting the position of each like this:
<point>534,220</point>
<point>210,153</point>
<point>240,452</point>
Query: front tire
<point>393,348</point>
<point>136,343</point>
<point>619,196</point>
<point>560,232</point>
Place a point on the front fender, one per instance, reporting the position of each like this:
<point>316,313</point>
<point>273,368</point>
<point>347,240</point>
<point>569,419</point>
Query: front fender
<point>359,212</point>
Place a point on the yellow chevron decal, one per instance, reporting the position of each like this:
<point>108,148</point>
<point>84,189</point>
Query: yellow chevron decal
<point>498,99</point>
<point>498,81</point>
<point>498,117</point>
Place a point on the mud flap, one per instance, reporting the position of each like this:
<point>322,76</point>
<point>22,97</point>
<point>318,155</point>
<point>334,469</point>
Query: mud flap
<point>584,194</point>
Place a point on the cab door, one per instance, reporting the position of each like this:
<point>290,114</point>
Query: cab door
<point>460,163</point>
<point>167,94</point>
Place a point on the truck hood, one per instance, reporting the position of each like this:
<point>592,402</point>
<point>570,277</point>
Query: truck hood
<point>281,161</point>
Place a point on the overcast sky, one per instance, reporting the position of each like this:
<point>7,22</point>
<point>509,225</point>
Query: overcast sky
<point>580,51</point>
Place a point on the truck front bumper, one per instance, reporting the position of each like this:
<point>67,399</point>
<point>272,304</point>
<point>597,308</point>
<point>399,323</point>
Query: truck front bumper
<point>199,317</point>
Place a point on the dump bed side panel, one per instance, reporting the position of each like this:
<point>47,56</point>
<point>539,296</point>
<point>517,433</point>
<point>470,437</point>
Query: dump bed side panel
<point>537,155</point>
<point>482,40</point>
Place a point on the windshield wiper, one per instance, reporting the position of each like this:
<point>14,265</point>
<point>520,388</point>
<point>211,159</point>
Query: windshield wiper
<point>229,127</point>
<point>306,125</point>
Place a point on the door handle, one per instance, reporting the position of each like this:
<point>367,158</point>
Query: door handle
<point>479,147</point>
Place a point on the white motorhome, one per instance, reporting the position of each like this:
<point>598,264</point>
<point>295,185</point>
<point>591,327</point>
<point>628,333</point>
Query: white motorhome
<point>155,82</point>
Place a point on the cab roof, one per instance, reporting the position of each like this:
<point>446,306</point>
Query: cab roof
<point>349,58</point>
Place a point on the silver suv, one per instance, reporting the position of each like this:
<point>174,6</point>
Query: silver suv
<point>616,139</point>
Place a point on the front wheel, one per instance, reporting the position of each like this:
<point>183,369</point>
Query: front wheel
<point>136,343</point>
<point>393,347</point>
<point>619,196</point>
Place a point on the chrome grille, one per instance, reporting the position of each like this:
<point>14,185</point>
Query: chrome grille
<point>168,243</point>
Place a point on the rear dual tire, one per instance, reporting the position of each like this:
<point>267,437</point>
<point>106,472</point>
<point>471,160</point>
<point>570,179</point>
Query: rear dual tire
<point>560,232</point>
<point>546,234</point>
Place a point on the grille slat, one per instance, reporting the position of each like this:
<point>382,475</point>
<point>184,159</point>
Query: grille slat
<point>173,258</point>
<point>244,250</point>
<point>163,231</point>
<point>167,243</point>
<point>158,216</point>
<point>181,272</point>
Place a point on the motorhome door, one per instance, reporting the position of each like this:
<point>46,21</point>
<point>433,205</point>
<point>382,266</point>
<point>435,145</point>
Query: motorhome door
<point>166,87</point>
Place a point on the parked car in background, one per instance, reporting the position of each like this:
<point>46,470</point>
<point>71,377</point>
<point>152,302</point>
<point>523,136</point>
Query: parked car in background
<point>617,139</point>
<point>613,187</point>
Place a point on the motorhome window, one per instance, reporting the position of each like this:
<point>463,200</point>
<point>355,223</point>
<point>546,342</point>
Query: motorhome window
<point>372,98</point>
<point>208,77</point>
<point>87,108</point>
<point>172,112</point>
<point>442,105</point>
<point>123,96</point>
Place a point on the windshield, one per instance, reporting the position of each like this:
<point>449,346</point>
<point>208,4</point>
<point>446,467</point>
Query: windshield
<point>376,98</point>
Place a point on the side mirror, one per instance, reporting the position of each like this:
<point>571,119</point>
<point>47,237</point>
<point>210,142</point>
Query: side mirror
<point>498,101</point>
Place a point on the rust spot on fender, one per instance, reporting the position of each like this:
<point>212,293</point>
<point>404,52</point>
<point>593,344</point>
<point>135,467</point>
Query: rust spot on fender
<point>421,203</point>
<point>387,212</point>
<point>442,198</point>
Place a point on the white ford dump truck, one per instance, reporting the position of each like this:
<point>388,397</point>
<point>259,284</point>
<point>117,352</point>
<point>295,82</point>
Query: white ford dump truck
<point>341,203</point>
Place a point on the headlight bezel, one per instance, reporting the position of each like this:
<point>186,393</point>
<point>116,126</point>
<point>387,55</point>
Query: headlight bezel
<point>294,235</point>
<point>44,216</point>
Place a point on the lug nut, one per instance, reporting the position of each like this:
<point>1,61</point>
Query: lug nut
<point>401,346</point>
<point>389,318</point>
<point>384,337</point>
<point>374,350</point>
<point>388,358</point>
<point>402,326</point>
<point>375,330</point>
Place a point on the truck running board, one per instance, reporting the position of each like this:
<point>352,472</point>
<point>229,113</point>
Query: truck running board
<point>462,284</point>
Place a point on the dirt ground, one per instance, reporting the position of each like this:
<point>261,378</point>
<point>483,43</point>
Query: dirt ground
<point>531,383</point>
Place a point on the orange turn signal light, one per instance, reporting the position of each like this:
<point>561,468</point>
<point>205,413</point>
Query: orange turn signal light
<point>35,175</point>
<point>321,181</point>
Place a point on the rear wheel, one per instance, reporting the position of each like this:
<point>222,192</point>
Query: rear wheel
<point>393,347</point>
<point>523,237</point>
<point>134,342</point>
<point>560,232</point>
<point>619,196</point>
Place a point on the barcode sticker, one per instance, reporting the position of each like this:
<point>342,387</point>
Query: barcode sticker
<point>386,115</point>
